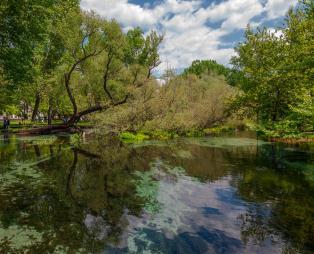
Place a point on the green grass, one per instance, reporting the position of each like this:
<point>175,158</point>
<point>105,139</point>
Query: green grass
<point>133,137</point>
<point>218,130</point>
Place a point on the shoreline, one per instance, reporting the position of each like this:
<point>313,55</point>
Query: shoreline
<point>165,135</point>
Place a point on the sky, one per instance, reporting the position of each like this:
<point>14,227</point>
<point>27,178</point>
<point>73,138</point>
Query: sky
<point>195,29</point>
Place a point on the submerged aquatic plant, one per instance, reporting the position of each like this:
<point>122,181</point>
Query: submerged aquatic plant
<point>147,189</point>
<point>15,238</point>
<point>148,184</point>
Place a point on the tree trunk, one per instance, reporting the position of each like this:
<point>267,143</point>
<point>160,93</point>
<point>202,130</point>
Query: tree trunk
<point>36,107</point>
<point>73,120</point>
<point>37,150</point>
<point>25,111</point>
<point>50,112</point>
<point>76,115</point>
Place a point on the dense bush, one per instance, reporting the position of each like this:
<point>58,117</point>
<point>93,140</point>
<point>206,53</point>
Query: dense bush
<point>184,104</point>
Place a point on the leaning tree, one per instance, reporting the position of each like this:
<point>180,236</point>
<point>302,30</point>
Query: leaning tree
<point>101,65</point>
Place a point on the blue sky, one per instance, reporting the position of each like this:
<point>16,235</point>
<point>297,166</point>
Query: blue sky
<point>195,29</point>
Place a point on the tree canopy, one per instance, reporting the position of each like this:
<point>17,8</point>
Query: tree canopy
<point>277,71</point>
<point>201,67</point>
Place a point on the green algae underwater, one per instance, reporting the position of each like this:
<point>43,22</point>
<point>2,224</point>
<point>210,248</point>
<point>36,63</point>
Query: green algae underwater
<point>225,194</point>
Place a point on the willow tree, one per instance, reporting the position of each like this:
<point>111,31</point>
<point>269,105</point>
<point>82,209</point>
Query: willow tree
<point>101,64</point>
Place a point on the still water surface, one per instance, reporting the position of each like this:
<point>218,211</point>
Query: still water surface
<point>219,195</point>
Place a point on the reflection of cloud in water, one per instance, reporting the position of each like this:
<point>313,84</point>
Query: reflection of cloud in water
<point>96,226</point>
<point>194,217</point>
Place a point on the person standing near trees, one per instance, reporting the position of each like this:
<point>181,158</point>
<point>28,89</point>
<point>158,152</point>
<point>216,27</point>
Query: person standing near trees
<point>6,123</point>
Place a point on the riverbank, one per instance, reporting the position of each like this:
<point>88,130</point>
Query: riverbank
<point>21,127</point>
<point>130,137</point>
<point>288,137</point>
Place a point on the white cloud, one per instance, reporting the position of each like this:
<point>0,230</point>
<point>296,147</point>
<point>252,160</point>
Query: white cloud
<point>227,9</point>
<point>276,32</point>
<point>127,14</point>
<point>189,35</point>
<point>278,8</point>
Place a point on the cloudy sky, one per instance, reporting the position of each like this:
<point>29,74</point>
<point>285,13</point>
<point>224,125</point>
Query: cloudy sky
<point>195,29</point>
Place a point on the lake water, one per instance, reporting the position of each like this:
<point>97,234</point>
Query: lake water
<point>232,194</point>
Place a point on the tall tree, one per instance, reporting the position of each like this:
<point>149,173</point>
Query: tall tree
<point>30,48</point>
<point>98,68</point>
<point>276,68</point>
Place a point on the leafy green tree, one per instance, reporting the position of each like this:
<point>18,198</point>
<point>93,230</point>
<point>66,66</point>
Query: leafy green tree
<point>276,74</point>
<point>30,48</point>
<point>205,67</point>
<point>97,69</point>
<point>48,57</point>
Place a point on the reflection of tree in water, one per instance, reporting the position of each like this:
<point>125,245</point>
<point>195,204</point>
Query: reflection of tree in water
<point>80,203</point>
<point>85,194</point>
<point>91,189</point>
<point>281,199</point>
<point>103,187</point>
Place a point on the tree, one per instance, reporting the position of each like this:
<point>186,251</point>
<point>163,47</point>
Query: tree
<point>205,67</point>
<point>182,104</point>
<point>98,70</point>
<point>30,48</point>
<point>276,74</point>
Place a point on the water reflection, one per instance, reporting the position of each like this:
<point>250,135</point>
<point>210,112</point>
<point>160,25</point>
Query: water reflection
<point>6,137</point>
<point>207,195</point>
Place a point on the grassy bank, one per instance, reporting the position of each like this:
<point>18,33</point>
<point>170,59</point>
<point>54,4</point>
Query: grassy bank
<point>289,137</point>
<point>130,137</point>
<point>280,133</point>
<point>17,126</point>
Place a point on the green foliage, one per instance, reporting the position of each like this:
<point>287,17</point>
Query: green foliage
<point>218,130</point>
<point>75,139</point>
<point>183,104</point>
<point>130,137</point>
<point>276,76</point>
<point>206,67</point>
<point>145,135</point>
<point>194,133</point>
<point>75,61</point>
<point>162,134</point>
<point>61,61</point>
<point>23,25</point>
<point>284,129</point>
